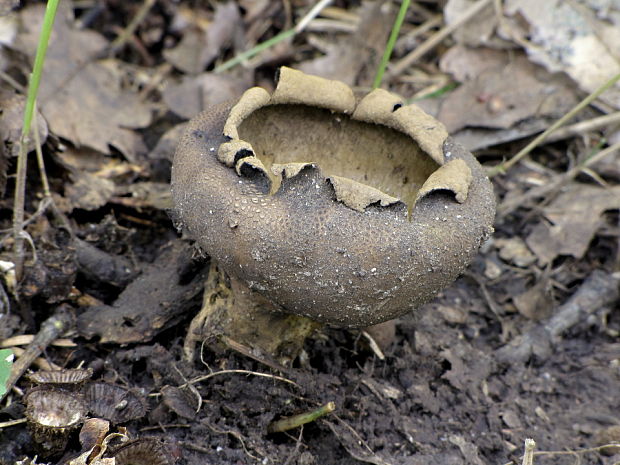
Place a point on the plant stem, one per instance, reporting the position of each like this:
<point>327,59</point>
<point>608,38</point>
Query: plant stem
<point>387,53</point>
<point>51,329</point>
<point>528,456</point>
<point>255,50</point>
<point>22,160</point>
<point>313,13</point>
<point>503,167</point>
<point>434,40</point>
<point>287,423</point>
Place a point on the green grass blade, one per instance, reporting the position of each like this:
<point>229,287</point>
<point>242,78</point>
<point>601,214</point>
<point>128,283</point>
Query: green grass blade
<point>6,362</point>
<point>387,53</point>
<point>22,160</point>
<point>39,60</point>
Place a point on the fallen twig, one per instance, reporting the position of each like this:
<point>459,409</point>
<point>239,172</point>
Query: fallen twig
<point>303,23</point>
<point>243,372</point>
<point>599,289</point>
<point>51,328</point>
<point>503,167</point>
<point>585,126</point>
<point>507,206</point>
<point>436,38</point>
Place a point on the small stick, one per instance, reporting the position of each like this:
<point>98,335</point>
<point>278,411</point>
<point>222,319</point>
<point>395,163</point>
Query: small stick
<point>24,339</point>
<point>297,420</point>
<point>313,13</point>
<point>508,206</point>
<point>50,330</point>
<point>244,372</point>
<point>599,289</point>
<point>255,354</point>
<point>503,167</point>
<point>124,36</point>
<point>436,38</point>
<point>582,127</point>
<point>38,362</point>
<point>6,424</point>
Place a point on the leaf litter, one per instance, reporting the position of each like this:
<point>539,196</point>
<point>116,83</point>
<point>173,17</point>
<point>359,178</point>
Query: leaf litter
<point>82,96</point>
<point>524,345</point>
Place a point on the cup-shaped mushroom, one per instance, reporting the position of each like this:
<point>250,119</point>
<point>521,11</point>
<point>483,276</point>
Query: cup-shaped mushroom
<point>350,211</point>
<point>52,414</point>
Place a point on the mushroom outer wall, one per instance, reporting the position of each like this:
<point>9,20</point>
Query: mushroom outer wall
<point>315,256</point>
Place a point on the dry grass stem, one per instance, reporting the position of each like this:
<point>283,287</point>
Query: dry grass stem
<point>436,39</point>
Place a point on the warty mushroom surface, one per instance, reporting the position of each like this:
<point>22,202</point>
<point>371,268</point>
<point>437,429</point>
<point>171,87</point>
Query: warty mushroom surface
<point>349,211</point>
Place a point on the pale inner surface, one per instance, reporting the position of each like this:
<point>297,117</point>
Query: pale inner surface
<point>370,154</point>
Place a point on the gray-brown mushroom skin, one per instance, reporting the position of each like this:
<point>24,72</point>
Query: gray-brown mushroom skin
<point>315,256</point>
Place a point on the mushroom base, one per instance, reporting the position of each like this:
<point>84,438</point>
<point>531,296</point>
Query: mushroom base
<point>231,311</point>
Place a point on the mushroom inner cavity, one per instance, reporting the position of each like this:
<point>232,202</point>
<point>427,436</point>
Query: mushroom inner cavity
<point>370,154</point>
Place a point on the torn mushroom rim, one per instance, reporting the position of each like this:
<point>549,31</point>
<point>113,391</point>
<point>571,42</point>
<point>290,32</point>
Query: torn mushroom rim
<point>378,107</point>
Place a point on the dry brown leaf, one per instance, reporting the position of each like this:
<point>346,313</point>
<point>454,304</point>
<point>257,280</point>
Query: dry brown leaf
<point>503,92</point>
<point>201,45</point>
<point>476,32</point>
<point>580,38</point>
<point>8,24</point>
<point>195,93</point>
<point>12,120</point>
<point>513,250</point>
<point>88,191</point>
<point>144,194</point>
<point>535,303</point>
<point>167,143</point>
<point>82,99</point>
<point>574,218</point>
<point>353,59</point>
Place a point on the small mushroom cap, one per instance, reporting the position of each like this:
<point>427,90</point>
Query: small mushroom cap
<point>52,414</point>
<point>114,403</point>
<point>350,212</point>
<point>66,377</point>
<point>144,450</point>
<point>54,408</point>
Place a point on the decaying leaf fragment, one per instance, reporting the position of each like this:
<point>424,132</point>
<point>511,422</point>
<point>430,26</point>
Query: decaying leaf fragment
<point>81,97</point>
<point>574,218</point>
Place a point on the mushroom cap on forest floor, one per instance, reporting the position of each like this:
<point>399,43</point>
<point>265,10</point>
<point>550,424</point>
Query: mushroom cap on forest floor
<point>350,211</point>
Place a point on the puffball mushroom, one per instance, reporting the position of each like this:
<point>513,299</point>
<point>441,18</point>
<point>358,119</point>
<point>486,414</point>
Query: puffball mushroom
<point>348,211</point>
